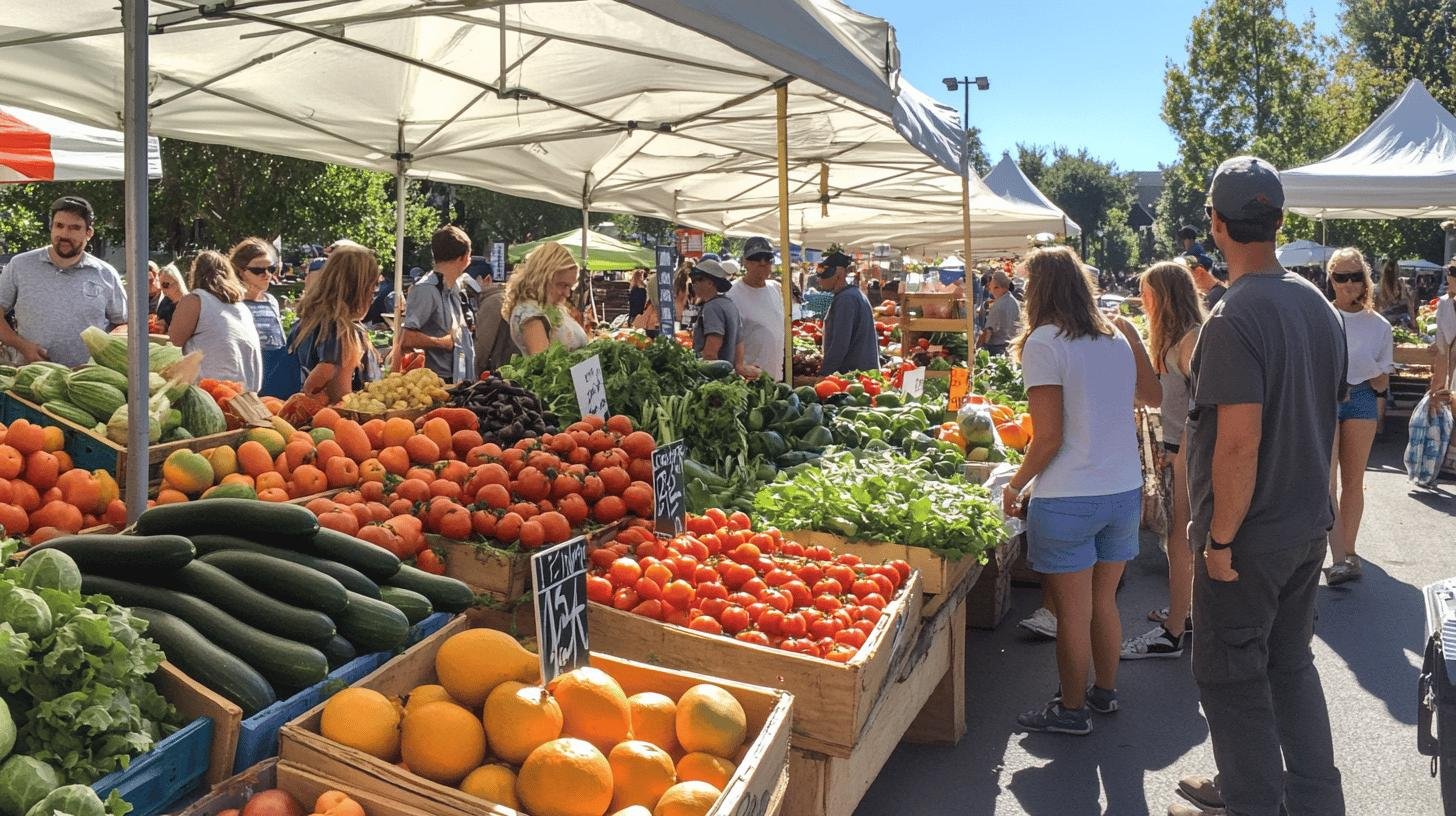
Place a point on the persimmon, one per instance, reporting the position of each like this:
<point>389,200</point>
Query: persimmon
<point>42,469</point>
<point>446,488</point>
<point>80,489</point>
<point>638,444</point>
<point>639,499</point>
<point>543,461</point>
<point>372,471</point>
<point>341,472</point>
<point>385,537</point>
<point>579,456</point>
<point>238,479</point>
<point>299,452</point>
<point>328,451</point>
<point>524,509</point>
<point>600,441</point>
<point>320,505</point>
<point>609,509</point>
<point>615,480</point>
<point>395,459</point>
<point>169,496</point>
<point>457,472</point>
<point>594,422</point>
<point>26,497</point>
<point>362,514</point>
<point>492,473</point>
<point>270,494</point>
<point>341,519</point>
<point>555,526</point>
<point>12,462</point>
<point>7,493</point>
<point>640,470</point>
<point>44,534</point>
<point>352,439</point>
<point>593,489</point>
<point>424,474</point>
<point>49,495</point>
<point>437,430</point>
<point>531,484</point>
<point>456,523</point>
<point>613,457</point>
<point>374,430</point>
<point>532,534</point>
<point>483,523</point>
<point>115,514</point>
<point>380,511</point>
<point>415,490</point>
<point>494,496</point>
<point>422,450</point>
<point>63,459</point>
<point>564,485</point>
<point>310,480</point>
<point>280,464</point>
<point>14,520</point>
<point>559,443</point>
<point>52,439</point>
<point>574,508</point>
<point>253,459</point>
<point>371,490</point>
<point>25,437</point>
<point>400,508</point>
<point>620,424</point>
<point>326,418</point>
<point>508,528</point>
<point>269,480</point>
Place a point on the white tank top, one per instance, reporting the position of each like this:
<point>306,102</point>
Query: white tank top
<point>228,340</point>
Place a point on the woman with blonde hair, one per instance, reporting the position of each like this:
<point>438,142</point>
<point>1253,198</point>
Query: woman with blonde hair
<point>173,290</point>
<point>1084,474</point>
<point>1175,317</point>
<point>332,346</point>
<point>212,319</point>
<point>1371,349</point>
<point>535,303</point>
<point>1394,298</point>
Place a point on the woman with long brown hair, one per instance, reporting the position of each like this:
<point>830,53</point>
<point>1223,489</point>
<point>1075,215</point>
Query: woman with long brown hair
<point>1175,316</point>
<point>332,346</point>
<point>254,261</point>
<point>1084,475</point>
<point>212,319</point>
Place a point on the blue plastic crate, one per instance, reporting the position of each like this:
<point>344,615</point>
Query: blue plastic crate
<point>258,734</point>
<point>86,451</point>
<point>427,627</point>
<point>169,773</point>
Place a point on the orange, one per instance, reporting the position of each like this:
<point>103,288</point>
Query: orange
<point>53,439</point>
<point>363,719</point>
<point>493,783</point>
<point>687,799</point>
<point>565,777</point>
<point>396,431</point>
<point>654,718</point>
<point>711,720</point>
<point>641,773</point>
<point>701,767</point>
<point>593,707</point>
<point>472,663</point>
<point>519,719</point>
<point>442,742</point>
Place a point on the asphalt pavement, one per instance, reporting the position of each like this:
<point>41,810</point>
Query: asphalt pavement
<point>1368,645</point>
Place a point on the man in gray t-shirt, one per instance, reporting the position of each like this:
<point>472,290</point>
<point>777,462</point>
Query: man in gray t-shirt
<point>1268,373</point>
<point>433,317</point>
<point>1003,319</point>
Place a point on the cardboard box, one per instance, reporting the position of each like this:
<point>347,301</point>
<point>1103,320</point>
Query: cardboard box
<point>756,787</point>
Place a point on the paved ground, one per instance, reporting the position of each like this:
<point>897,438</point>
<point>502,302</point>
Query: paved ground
<point>1368,643</point>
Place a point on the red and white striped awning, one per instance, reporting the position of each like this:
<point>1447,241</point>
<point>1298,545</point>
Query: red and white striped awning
<point>41,147</point>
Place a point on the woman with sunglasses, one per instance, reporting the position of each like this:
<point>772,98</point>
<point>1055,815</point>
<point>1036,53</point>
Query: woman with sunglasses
<point>282,374</point>
<point>173,290</point>
<point>1371,349</point>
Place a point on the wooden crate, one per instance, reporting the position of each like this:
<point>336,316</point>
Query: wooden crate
<point>1411,353</point>
<point>302,783</point>
<point>990,598</point>
<point>834,700</point>
<point>194,700</point>
<point>504,574</point>
<point>756,786</point>
<point>937,573</point>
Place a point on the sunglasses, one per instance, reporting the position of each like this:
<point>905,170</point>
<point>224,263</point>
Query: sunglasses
<point>1347,277</point>
<point>166,286</point>
<point>262,270</point>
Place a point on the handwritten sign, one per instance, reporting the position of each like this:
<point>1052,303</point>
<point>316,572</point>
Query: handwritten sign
<point>558,579</point>
<point>498,262</point>
<point>913,383</point>
<point>668,489</point>
<point>666,302</point>
<point>591,388</point>
<point>960,386</point>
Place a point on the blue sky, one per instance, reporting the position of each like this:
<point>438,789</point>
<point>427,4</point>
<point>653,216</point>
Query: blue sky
<point>1082,73</point>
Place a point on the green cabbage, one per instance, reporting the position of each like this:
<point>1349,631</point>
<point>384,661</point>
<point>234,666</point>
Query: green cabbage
<point>26,612</point>
<point>7,730</point>
<point>24,781</point>
<point>50,569</point>
<point>70,800</point>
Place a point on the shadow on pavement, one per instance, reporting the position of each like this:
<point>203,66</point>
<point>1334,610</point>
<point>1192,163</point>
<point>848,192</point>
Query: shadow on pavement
<point>1374,624</point>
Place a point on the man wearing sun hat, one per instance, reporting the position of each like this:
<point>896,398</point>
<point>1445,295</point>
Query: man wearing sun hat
<point>850,340</point>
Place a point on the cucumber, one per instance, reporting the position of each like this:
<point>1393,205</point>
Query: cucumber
<point>415,606</point>
<point>374,561</point>
<point>285,580</point>
<point>352,579</point>
<point>337,651</point>
<point>445,594</point>
<point>268,521</point>
<point>111,554</point>
<point>211,584</point>
<point>204,662</point>
<point>287,665</point>
<point>371,625</point>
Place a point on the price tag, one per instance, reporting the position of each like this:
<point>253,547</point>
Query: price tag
<point>666,303</point>
<point>960,386</point>
<point>913,383</point>
<point>498,262</point>
<point>668,488</point>
<point>558,579</point>
<point>591,389</point>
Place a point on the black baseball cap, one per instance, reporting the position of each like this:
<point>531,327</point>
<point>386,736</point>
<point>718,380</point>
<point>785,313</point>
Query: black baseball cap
<point>74,204</point>
<point>833,261</point>
<point>1246,188</point>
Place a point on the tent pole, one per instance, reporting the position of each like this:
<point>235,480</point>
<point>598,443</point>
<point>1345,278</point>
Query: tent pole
<point>591,295</point>
<point>781,92</point>
<point>967,284</point>
<point>401,192</point>
<point>134,115</point>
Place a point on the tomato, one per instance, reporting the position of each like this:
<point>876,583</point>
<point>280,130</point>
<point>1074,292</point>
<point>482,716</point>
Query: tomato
<point>679,617</point>
<point>683,566</point>
<point>883,585</point>
<point>864,625</point>
<point>777,598</point>
<point>793,625</point>
<point>679,593</point>
<point>706,623</point>
<point>778,577</point>
<point>849,559</point>
<point>712,590</point>
<point>870,613</point>
<point>890,574</point>
<point>705,575</point>
<point>718,517</point>
<point>825,628</point>
<point>649,609</point>
<point>659,573</point>
<point>764,542</point>
<point>712,544</point>
<point>862,587</point>
<point>598,589</point>
<point>841,653</point>
<point>695,548</point>
<point>828,603</point>
<point>700,525</point>
<point>736,575</point>
<point>901,567</point>
<point>756,638</point>
<point>602,557</point>
<point>825,389</point>
<point>819,553</point>
<point>799,593</point>
<point>753,586</point>
<point>625,598</point>
<point>829,586</point>
<point>624,572</point>
<point>739,520</point>
<point>771,621</point>
<point>756,610</point>
<point>841,573</point>
<point>810,574</point>
<point>713,607</point>
<point>746,554</point>
<point>648,589</point>
<point>792,548</point>
<point>874,599</point>
<point>735,619</point>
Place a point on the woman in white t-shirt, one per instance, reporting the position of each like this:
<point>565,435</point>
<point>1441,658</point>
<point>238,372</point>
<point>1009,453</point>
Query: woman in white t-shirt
<point>1370,349</point>
<point>1082,377</point>
<point>1442,349</point>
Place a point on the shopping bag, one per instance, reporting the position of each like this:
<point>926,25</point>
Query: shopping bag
<point>1430,436</point>
<point>1157,478</point>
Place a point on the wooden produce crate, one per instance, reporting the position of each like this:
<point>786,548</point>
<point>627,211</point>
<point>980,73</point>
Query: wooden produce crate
<point>990,598</point>
<point>1412,353</point>
<point>90,451</point>
<point>833,699</point>
<point>303,784</point>
<point>937,573</point>
<point>757,786</point>
<point>503,574</point>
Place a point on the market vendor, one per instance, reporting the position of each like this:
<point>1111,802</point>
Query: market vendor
<point>332,345</point>
<point>718,331</point>
<point>850,340</point>
<point>760,303</point>
<point>60,290</point>
<point>1003,316</point>
<point>537,301</point>
<point>433,318</point>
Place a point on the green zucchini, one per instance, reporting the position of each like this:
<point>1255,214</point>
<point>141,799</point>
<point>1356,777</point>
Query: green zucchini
<point>445,594</point>
<point>372,626</point>
<point>352,579</point>
<point>287,581</point>
<point>371,559</point>
<point>111,554</point>
<point>337,651</point>
<point>205,662</point>
<point>415,606</point>
<point>287,665</point>
<point>250,606</point>
<point>267,521</point>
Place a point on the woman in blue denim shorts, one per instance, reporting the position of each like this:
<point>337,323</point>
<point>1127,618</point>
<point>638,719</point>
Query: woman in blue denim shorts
<point>1371,350</point>
<point>1083,473</point>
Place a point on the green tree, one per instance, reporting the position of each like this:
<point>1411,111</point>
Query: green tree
<point>489,216</point>
<point>980,163</point>
<point>1032,159</point>
<point>1095,195</point>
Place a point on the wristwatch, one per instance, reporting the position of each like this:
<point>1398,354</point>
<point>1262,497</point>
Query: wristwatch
<point>1213,544</point>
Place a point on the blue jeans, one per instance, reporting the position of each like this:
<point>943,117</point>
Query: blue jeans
<point>1074,533</point>
<point>1361,404</point>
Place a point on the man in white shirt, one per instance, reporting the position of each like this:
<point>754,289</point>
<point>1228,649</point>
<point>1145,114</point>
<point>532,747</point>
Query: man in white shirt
<point>760,302</point>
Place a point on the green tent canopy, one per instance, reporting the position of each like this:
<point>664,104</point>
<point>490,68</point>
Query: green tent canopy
<point>604,253</point>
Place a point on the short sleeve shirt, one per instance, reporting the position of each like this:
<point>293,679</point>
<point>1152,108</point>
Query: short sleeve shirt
<point>719,316</point>
<point>1273,340</point>
<point>1004,319</point>
<point>54,305</point>
<point>561,326</point>
<point>435,310</point>
<point>314,349</point>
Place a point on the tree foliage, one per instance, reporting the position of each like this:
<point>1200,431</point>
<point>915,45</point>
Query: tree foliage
<point>1096,196</point>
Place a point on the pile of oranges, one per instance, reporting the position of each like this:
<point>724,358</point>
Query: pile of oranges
<point>43,494</point>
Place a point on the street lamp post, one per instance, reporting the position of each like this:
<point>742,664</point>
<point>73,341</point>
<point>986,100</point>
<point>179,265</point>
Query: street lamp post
<point>953,84</point>
<point>958,83</point>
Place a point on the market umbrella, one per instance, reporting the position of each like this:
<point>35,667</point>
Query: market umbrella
<point>1303,252</point>
<point>40,147</point>
<point>607,253</point>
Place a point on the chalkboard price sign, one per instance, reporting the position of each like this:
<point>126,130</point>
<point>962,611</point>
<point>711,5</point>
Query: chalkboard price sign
<point>666,302</point>
<point>591,388</point>
<point>558,579</point>
<point>498,262</point>
<point>669,491</point>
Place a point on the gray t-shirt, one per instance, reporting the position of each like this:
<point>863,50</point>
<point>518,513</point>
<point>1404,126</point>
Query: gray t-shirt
<point>54,305</point>
<point>719,316</point>
<point>1273,340</point>
<point>1003,320</point>
<point>436,311</point>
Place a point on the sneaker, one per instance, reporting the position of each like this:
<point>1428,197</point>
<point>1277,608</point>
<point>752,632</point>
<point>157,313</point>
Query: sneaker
<point>1058,720</point>
<point>1156,642</point>
<point>1042,622</point>
<point>1347,570</point>
<point>1181,809</point>
<point>1099,700</point>
<point>1201,791</point>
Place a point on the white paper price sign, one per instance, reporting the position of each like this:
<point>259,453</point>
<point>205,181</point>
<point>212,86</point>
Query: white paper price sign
<point>913,382</point>
<point>591,387</point>
<point>668,491</point>
<point>558,580</point>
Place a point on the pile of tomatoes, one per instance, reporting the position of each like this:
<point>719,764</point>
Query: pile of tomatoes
<point>722,577</point>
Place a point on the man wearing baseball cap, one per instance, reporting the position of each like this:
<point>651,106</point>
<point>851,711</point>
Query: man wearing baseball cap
<point>849,328</point>
<point>1267,376</point>
<point>760,301</point>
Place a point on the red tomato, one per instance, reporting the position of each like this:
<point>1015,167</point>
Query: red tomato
<point>792,548</point>
<point>841,573</point>
<point>713,607</point>
<point>756,610</point>
<point>624,572</point>
<point>829,586</point>
<point>705,575</point>
<point>841,653</point>
<point>825,628</point>
<point>827,603</point>
<point>659,573</point>
<point>598,589</point>
<point>705,623</point>
<point>712,590</point>
<point>756,638</point>
<point>679,593</point>
<point>883,584</point>
<point>874,599</point>
<point>778,599</point>
<point>870,613</point>
<point>862,587</point>
<point>648,589</point>
<point>734,619</point>
<point>793,625</point>
<point>746,554</point>
<point>799,592</point>
<point>625,598</point>
<point>649,609</point>
<point>848,559</point>
<point>736,575</point>
<point>778,577</point>
<point>901,567</point>
<point>810,574</point>
<point>771,621</point>
<point>740,521</point>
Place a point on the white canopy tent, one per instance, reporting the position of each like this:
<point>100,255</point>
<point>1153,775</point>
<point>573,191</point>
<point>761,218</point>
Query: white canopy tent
<point>1007,180</point>
<point>1303,252</point>
<point>1402,166</point>
<point>41,147</point>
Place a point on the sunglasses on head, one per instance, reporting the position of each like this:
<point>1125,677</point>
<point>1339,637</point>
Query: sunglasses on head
<point>1347,277</point>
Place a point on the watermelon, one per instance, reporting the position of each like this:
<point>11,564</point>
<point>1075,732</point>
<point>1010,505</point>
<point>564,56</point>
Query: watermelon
<point>200,414</point>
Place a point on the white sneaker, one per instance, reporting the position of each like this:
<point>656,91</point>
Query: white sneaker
<point>1042,622</point>
<point>1152,643</point>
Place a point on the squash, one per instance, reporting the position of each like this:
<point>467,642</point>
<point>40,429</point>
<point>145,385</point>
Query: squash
<point>200,414</point>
